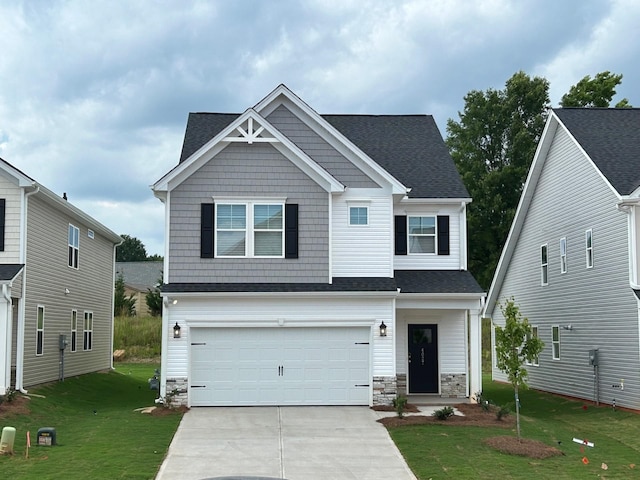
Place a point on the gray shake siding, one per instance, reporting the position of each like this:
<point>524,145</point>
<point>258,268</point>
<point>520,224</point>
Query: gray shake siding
<point>243,170</point>
<point>597,302</point>
<point>48,275</point>
<point>318,149</point>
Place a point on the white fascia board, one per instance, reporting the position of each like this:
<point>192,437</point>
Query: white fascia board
<point>214,146</point>
<point>328,133</point>
<point>430,201</point>
<point>204,295</point>
<point>15,176</point>
<point>526,197</point>
<point>61,204</point>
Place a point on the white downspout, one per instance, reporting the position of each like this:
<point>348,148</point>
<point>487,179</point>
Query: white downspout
<point>23,260</point>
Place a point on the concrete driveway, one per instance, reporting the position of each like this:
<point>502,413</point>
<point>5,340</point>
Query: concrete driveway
<point>296,443</point>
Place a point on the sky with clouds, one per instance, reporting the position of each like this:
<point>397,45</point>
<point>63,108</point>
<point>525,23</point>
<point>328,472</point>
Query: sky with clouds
<point>94,95</point>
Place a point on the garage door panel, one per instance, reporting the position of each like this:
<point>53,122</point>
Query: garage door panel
<point>280,366</point>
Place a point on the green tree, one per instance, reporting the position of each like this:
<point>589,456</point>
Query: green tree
<point>492,146</point>
<point>594,92</point>
<point>131,250</point>
<point>154,300</point>
<point>123,305</point>
<point>515,345</point>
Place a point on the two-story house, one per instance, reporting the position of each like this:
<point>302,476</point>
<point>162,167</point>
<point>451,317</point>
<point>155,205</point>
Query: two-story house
<point>315,260</point>
<point>57,274</point>
<point>571,257</point>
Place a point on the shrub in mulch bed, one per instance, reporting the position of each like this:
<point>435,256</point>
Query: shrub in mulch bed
<point>474,415</point>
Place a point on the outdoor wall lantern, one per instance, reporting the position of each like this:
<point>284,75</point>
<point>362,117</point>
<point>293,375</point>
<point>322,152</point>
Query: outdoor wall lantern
<point>176,330</point>
<point>383,329</point>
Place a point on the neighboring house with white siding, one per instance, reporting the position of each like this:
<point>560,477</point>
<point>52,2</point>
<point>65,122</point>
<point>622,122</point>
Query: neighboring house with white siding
<point>316,259</point>
<point>571,260</point>
<point>57,274</point>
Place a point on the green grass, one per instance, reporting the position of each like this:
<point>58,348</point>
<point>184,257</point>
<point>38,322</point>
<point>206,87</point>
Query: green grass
<point>98,433</point>
<point>139,337</point>
<point>439,451</point>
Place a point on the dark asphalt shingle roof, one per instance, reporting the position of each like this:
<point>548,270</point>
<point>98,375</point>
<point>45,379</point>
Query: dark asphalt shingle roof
<point>436,281</point>
<point>340,284</point>
<point>611,138</point>
<point>8,271</point>
<point>409,147</point>
<point>140,275</point>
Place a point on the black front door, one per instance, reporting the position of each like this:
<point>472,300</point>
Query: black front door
<point>423,358</point>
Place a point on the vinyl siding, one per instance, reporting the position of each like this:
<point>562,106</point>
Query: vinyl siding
<point>432,261</point>
<point>242,170</point>
<point>318,149</point>
<point>12,194</point>
<point>362,250</point>
<point>90,289</point>
<point>572,197</point>
<point>312,311</point>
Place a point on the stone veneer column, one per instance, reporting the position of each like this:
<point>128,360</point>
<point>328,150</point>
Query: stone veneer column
<point>177,392</point>
<point>385,390</point>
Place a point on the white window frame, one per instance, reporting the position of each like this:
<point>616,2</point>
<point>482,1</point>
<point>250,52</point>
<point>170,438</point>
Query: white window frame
<point>249,230</point>
<point>40,331</point>
<point>87,331</point>
<point>534,334</point>
<point>366,215</point>
<point>563,255</point>
<point>74,246</point>
<point>434,234</point>
<point>588,247</point>
<point>555,344</point>
<point>73,343</point>
<point>544,264</point>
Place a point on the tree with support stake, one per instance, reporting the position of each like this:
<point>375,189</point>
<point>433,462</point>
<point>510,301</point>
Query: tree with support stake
<point>515,345</point>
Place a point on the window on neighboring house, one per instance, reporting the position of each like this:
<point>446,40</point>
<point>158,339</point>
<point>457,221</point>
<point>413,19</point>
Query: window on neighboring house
<point>533,334</point>
<point>588,245</point>
<point>262,237</point>
<point>88,331</point>
<point>74,245</point>
<point>40,331</point>
<point>74,330</point>
<point>555,341</point>
<point>563,255</point>
<point>422,235</point>
<point>544,264</point>
<point>358,216</point>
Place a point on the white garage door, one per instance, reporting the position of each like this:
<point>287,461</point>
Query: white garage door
<point>280,366</point>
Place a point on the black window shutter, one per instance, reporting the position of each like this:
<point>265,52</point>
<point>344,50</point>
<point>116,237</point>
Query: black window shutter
<point>401,234</point>
<point>291,230</point>
<point>2,210</point>
<point>443,235</point>
<point>206,230</point>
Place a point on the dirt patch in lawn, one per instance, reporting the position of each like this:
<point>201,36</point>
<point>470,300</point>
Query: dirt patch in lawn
<point>476,416</point>
<point>18,406</point>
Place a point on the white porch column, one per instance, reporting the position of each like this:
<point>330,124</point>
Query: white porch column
<point>475,352</point>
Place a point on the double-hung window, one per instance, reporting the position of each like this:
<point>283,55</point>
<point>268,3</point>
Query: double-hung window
<point>40,331</point>
<point>588,245</point>
<point>74,245</point>
<point>88,331</point>
<point>544,264</point>
<point>555,341</point>
<point>563,255</point>
<point>252,229</point>
<point>74,330</point>
<point>533,334</point>
<point>422,235</point>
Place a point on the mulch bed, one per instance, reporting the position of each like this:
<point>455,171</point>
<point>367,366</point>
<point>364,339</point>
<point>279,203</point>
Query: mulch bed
<point>476,416</point>
<point>18,406</point>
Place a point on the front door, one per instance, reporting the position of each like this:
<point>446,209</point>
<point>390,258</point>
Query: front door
<point>423,358</point>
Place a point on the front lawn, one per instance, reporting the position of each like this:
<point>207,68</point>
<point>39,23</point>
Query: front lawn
<point>99,434</point>
<point>447,451</point>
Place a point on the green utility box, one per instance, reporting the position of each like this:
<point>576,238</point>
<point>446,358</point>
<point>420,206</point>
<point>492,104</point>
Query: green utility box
<point>46,436</point>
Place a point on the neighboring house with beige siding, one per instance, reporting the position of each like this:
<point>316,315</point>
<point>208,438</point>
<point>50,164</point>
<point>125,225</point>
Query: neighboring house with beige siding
<point>140,278</point>
<point>316,260</point>
<point>571,258</point>
<point>57,269</point>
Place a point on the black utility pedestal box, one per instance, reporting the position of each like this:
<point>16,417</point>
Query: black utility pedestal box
<point>46,436</point>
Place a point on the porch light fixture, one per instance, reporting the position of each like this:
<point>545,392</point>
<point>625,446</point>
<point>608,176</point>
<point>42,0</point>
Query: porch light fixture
<point>176,330</point>
<point>383,329</point>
